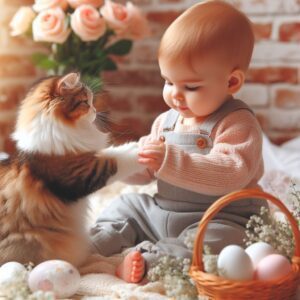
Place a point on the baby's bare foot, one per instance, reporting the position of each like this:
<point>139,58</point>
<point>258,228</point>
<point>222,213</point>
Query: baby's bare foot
<point>132,268</point>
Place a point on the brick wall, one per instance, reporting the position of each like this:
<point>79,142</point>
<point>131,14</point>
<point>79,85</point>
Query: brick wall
<point>273,81</point>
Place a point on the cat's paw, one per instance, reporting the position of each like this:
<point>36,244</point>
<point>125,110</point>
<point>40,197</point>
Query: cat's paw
<point>129,154</point>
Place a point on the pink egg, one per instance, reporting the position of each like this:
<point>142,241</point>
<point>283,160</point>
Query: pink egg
<point>272,267</point>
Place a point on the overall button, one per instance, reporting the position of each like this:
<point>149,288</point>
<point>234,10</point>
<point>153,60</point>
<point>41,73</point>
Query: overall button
<point>201,143</point>
<point>162,138</point>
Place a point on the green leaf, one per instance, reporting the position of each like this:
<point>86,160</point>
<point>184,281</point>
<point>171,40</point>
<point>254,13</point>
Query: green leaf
<point>38,57</point>
<point>48,64</point>
<point>109,65</point>
<point>44,62</point>
<point>121,47</point>
<point>93,82</point>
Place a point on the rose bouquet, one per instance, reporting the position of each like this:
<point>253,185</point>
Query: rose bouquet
<point>80,35</point>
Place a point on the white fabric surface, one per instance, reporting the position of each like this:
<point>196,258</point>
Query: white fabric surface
<point>284,158</point>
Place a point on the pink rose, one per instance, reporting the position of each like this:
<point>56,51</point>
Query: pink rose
<point>87,23</point>
<point>76,3</point>
<point>138,26</point>
<point>51,26</point>
<point>46,4</point>
<point>22,20</point>
<point>127,21</point>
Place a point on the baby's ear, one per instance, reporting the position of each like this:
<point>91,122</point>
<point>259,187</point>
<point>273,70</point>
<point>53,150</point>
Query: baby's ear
<point>68,82</point>
<point>235,81</point>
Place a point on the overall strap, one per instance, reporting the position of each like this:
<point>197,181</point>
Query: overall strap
<point>229,106</point>
<point>170,120</point>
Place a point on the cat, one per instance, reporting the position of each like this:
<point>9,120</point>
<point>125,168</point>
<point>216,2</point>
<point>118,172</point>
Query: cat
<point>61,158</point>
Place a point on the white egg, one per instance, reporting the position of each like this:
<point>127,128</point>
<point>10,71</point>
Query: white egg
<point>55,275</point>
<point>11,271</point>
<point>258,251</point>
<point>234,263</point>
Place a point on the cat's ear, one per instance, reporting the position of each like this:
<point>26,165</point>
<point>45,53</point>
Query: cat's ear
<point>69,81</point>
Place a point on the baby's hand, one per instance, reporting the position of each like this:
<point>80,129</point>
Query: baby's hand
<point>152,155</point>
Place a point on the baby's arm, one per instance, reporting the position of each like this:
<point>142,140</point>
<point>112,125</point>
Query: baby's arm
<point>232,163</point>
<point>129,170</point>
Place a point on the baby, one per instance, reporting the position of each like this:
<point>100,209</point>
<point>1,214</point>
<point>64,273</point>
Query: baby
<point>208,144</point>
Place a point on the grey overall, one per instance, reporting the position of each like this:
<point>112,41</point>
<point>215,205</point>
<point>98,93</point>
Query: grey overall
<point>165,218</point>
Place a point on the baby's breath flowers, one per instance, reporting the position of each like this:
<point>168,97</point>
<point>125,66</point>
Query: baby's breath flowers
<point>265,227</point>
<point>17,288</point>
<point>295,198</point>
<point>173,273</point>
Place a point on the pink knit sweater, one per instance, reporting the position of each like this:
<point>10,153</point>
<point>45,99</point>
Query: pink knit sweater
<point>234,162</point>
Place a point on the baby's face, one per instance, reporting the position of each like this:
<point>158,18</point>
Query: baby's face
<point>194,94</point>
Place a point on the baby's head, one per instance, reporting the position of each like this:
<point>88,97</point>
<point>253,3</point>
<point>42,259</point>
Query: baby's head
<point>213,40</point>
<point>212,28</point>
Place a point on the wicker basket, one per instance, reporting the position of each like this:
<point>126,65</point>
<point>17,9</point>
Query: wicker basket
<point>215,287</point>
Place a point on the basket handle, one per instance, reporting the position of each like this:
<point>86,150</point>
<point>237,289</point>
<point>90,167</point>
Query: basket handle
<point>224,201</point>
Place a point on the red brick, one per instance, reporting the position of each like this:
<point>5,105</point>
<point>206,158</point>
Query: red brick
<point>288,99</point>
<point>152,103</point>
<point>20,2</point>
<point>170,1</point>
<point>272,75</point>
<point>6,128</point>
<point>289,32</point>
<point>262,31</point>
<point>136,2</point>
<point>10,96</point>
<point>263,120</point>
<point>21,41</point>
<point>134,78</point>
<point>280,137</point>
<point>160,20</point>
<point>9,146</point>
<point>118,102</point>
<point>130,128</point>
<point>16,66</point>
<point>100,102</point>
<point>163,17</point>
<point>144,54</point>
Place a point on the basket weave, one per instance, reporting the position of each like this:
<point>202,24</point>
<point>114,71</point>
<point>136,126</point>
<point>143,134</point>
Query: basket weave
<point>215,287</point>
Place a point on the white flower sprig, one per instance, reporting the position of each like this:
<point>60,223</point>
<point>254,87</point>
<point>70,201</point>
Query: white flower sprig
<point>173,273</point>
<point>265,228</point>
<point>17,289</point>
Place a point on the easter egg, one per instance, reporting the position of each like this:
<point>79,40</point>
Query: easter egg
<point>272,267</point>
<point>55,275</point>
<point>11,272</point>
<point>258,251</point>
<point>234,263</point>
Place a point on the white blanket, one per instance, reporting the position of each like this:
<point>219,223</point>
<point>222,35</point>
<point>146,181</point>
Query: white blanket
<point>285,158</point>
<point>282,163</point>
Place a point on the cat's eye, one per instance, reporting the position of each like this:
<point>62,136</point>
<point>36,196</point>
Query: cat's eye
<point>85,102</point>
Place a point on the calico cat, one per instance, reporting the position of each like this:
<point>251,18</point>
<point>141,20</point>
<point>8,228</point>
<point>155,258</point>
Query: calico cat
<point>61,158</point>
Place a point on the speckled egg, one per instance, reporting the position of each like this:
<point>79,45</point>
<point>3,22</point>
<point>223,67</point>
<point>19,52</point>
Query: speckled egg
<point>272,267</point>
<point>55,275</point>
<point>234,263</point>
